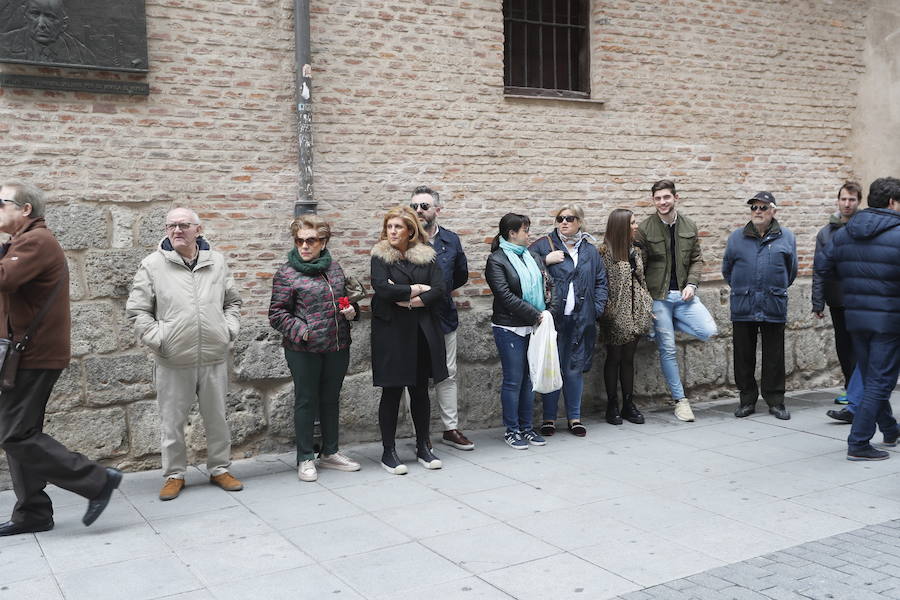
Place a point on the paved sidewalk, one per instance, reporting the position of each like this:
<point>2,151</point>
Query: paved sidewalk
<point>721,508</point>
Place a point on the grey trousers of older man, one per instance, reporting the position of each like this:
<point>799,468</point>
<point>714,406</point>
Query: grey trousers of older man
<point>177,388</point>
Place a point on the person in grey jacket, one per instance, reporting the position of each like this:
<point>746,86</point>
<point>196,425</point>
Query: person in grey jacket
<point>760,263</point>
<point>828,291</point>
<point>185,307</point>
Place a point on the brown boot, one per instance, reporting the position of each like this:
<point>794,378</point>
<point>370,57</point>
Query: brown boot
<point>171,489</point>
<point>227,482</point>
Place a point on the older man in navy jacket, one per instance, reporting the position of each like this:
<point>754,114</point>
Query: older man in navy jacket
<point>865,255</point>
<point>455,268</point>
<point>760,264</point>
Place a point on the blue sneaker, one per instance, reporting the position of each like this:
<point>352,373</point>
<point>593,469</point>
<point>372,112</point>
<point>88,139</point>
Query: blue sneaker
<point>842,399</point>
<point>515,440</point>
<point>533,437</point>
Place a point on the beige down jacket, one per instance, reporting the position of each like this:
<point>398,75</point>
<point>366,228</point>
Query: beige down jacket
<point>185,317</point>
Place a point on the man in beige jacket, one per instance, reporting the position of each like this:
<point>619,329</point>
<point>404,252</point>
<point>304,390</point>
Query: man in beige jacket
<point>186,309</point>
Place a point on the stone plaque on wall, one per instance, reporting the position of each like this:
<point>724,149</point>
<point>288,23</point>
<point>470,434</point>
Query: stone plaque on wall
<point>109,35</point>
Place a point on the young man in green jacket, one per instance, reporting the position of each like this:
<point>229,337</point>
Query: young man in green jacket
<point>672,261</point>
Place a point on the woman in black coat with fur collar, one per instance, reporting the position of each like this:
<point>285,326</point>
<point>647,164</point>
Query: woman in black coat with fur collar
<point>407,342</point>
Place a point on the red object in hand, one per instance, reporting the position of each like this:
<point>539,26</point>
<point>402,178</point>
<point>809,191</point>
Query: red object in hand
<point>343,302</point>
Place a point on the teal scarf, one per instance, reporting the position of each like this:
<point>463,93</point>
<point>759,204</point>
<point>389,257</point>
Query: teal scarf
<point>529,274</point>
<point>317,266</point>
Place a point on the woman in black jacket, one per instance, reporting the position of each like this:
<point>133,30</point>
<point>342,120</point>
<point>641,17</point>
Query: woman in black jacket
<point>407,341</point>
<point>516,278</point>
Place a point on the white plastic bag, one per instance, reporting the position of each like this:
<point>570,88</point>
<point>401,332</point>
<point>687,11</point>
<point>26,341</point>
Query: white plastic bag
<point>543,357</point>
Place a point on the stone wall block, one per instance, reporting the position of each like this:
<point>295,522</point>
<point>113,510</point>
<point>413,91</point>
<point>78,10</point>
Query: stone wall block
<point>109,273</point>
<point>648,377</point>
<point>79,226</point>
<point>359,407</point>
<point>800,305</point>
<point>361,345</point>
<point>717,300</point>
<point>98,434</point>
<point>245,415</point>
<point>76,284</point>
<point>705,363</point>
<point>479,394</point>
<point>118,379</point>
<point>280,411</point>
<point>93,328</point>
<point>68,393</point>
<point>258,354</point>
<point>123,218</point>
<point>475,338</point>
<point>810,350</point>
<point>143,428</point>
<point>151,226</point>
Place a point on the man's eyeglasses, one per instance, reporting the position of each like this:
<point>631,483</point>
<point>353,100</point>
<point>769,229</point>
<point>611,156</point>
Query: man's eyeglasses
<point>310,241</point>
<point>566,218</point>
<point>5,201</point>
<point>180,226</point>
<point>422,205</point>
<point>759,207</point>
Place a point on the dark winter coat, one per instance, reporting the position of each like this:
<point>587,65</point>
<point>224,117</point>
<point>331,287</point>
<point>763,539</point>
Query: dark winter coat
<point>865,257</point>
<point>455,269</point>
<point>510,310</point>
<point>759,270</point>
<point>826,291</point>
<point>309,303</point>
<point>395,329</point>
<point>589,279</point>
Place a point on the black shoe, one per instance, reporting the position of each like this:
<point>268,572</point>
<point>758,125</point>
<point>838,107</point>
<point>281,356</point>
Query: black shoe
<point>868,453</point>
<point>97,505</point>
<point>13,528</point>
<point>630,412</point>
<point>780,412</point>
<point>612,411</point>
<point>843,415</point>
<point>890,440</point>
<point>427,458</point>
<point>744,410</point>
<point>390,462</point>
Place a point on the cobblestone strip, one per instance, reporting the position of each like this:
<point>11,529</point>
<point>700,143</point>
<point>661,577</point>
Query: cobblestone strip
<point>857,565</point>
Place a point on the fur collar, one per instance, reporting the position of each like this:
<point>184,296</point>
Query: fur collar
<point>418,254</point>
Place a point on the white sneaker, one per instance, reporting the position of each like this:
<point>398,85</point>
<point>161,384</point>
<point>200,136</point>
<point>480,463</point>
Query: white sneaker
<point>307,471</point>
<point>338,461</point>
<point>683,410</point>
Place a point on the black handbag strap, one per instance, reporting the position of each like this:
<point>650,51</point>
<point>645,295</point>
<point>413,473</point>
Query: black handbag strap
<point>20,346</point>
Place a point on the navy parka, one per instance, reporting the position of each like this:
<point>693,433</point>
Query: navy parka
<point>759,270</point>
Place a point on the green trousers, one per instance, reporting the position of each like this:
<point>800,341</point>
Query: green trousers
<point>318,378</point>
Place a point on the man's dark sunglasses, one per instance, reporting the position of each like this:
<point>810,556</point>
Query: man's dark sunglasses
<point>567,219</point>
<point>417,205</point>
<point>759,207</point>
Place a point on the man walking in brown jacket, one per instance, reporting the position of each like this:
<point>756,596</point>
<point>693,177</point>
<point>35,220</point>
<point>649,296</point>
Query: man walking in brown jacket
<point>33,272</point>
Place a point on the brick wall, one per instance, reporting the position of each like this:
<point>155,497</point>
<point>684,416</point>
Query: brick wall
<point>726,98</point>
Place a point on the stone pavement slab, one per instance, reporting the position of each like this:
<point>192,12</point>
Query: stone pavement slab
<point>720,508</point>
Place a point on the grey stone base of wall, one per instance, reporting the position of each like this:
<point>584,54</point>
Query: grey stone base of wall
<point>104,406</point>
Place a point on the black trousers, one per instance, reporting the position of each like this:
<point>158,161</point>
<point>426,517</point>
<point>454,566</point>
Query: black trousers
<point>771,384</point>
<point>419,403</point>
<point>34,457</point>
<point>843,344</point>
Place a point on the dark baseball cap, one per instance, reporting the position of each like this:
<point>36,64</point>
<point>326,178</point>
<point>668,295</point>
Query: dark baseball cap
<point>763,197</point>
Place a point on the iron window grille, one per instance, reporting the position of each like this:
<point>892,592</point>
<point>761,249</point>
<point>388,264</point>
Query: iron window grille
<point>546,48</point>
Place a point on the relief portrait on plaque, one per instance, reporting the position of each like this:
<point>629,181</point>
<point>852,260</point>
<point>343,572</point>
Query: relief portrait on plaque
<point>96,34</point>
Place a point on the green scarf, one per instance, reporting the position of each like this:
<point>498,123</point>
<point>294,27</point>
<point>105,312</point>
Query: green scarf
<point>528,271</point>
<point>317,266</point>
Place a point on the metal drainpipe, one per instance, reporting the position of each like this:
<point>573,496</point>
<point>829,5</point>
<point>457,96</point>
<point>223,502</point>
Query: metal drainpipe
<point>305,203</point>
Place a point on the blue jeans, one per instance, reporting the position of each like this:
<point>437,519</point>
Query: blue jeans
<point>573,379</point>
<point>692,318</point>
<point>854,390</point>
<point>516,393</point>
<point>878,360</point>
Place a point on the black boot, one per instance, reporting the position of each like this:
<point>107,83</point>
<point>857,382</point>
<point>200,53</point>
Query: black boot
<point>630,412</point>
<point>612,411</point>
<point>426,457</point>
<point>390,462</point>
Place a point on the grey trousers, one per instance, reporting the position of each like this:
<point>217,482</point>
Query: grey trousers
<point>176,391</point>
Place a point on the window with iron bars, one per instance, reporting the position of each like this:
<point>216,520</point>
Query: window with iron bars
<point>546,48</point>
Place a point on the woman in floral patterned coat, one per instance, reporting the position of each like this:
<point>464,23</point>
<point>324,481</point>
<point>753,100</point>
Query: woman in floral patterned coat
<point>310,309</point>
<point>628,313</point>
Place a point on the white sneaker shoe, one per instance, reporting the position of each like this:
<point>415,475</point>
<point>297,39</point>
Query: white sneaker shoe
<point>338,461</point>
<point>683,410</point>
<point>307,471</point>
